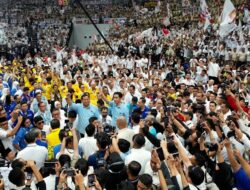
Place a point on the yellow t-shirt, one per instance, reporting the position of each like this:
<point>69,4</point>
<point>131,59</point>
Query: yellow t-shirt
<point>93,96</point>
<point>47,90</point>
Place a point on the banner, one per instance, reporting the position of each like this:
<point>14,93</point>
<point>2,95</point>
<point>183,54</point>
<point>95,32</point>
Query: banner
<point>228,17</point>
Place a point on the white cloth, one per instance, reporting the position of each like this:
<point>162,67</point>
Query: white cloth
<point>7,141</point>
<point>140,155</point>
<point>213,69</point>
<point>126,134</point>
<point>34,152</point>
<point>88,146</point>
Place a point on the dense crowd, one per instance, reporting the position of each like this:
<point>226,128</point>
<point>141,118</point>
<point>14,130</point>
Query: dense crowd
<point>167,109</point>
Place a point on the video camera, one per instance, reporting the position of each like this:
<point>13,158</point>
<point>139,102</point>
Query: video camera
<point>108,129</point>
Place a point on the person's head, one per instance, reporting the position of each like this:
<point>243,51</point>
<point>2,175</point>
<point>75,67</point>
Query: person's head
<point>39,122</point>
<point>18,163</point>
<point>42,106</point>
<point>79,80</point>
<point>141,102</point>
<point>196,175</point>
<point>199,97</point>
<point>26,90</point>
<point>104,112</point>
<point>102,140</point>
<point>105,90</point>
<point>123,145</point>
<point>135,118</point>
<point>100,103</point>
<point>82,165</point>
<point>94,121</point>
<point>55,124</point>
<point>158,104</point>
<point>37,132</point>
<point>85,99</point>
<point>145,182</point>
<point>30,137</point>
<point>224,107</point>
<point>121,122</point>
<point>144,92</point>
<point>26,122</point>
<point>56,114</point>
<point>198,160</point>
<point>24,106</point>
<point>212,106</point>
<point>72,116</point>
<point>17,177</point>
<point>117,97</point>
<point>64,160</point>
<point>90,130</point>
<point>4,123</point>
<point>58,105</point>
<point>138,140</point>
<point>38,96</point>
<point>131,89</point>
<point>133,169</point>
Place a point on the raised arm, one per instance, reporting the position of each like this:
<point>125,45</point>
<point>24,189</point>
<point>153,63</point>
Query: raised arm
<point>15,129</point>
<point>75,143</point>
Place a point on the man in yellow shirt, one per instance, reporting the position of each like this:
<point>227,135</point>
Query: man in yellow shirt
<point>53,137</point>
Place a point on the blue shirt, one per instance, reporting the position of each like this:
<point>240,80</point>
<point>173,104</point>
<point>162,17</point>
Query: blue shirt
<point>9,109</point>
<point>41,143</point>
<point>47,117</point>
<point>242,181</point>
<point>145,112</point>
<point>84,113</point>
<point>117,111</point>
<point>92,160</point>
<point>19,137</point>
<point>29,114</point>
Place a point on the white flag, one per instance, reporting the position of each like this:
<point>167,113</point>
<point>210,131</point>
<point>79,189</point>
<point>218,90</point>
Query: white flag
<point>240,34</point>
<point>228,16</point>
<point>207,23</point>
<point>204,10</point>
<point>158,7</point>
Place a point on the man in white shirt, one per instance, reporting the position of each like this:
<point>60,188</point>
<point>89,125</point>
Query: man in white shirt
<point>124,132</point>
<point>213,70</point>
<point>88,143</point>
<point>132,93</point>
<point>33,151</point>
<point>138,153</point>
<point>6,132</point>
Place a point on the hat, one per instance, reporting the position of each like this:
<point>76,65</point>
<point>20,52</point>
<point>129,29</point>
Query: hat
<point>38,118</point>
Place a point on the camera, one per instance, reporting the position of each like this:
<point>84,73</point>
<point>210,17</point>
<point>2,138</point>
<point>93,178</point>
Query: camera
<point>68,170</point>
<point>108,129</point>
<point>211,147</point>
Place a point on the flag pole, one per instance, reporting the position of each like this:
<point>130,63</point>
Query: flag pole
<point>98,30</point>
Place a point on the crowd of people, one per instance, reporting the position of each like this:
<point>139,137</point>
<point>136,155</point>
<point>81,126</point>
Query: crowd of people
<point>168,108</point>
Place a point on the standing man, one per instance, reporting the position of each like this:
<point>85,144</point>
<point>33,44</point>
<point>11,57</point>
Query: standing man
<point>117,108</point>
<point>84,111</point>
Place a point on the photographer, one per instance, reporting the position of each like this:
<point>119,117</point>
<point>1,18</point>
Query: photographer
<point>97,159</point>
<point>88,144</point>
<point>215,165</point>
<point>69,146</point>
<point>18,177</point>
